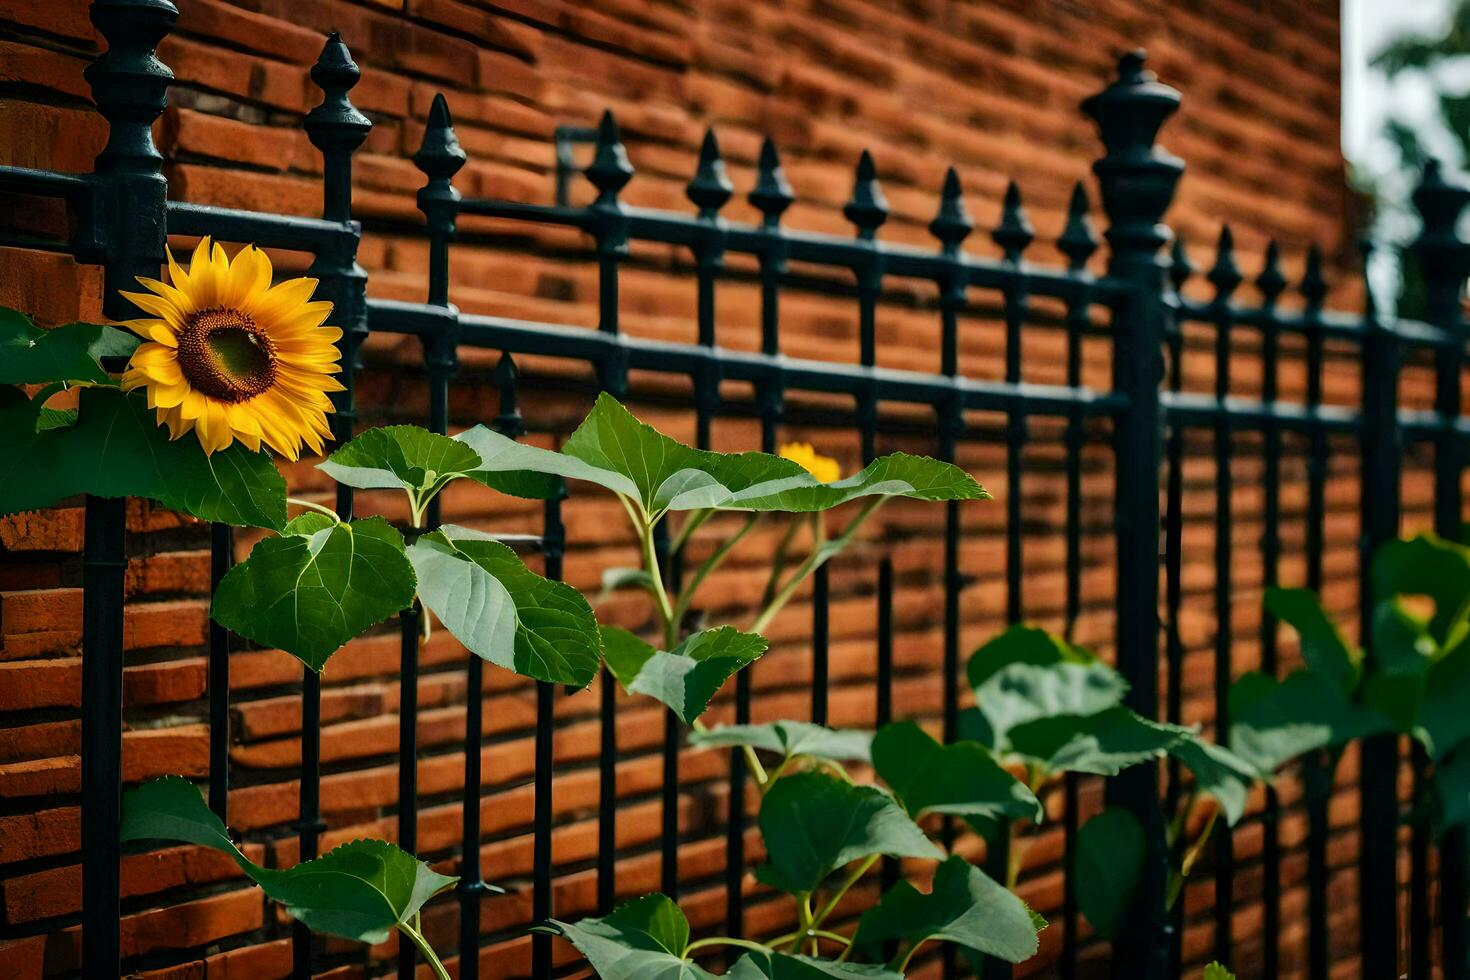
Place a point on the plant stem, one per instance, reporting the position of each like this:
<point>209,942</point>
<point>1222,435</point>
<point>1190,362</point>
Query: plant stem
<point>428,951</point>
<point>692,523</point>
<point>852,879</point>
<point>819,556</point>
<point>724,941</point>
<point>752,761</point>
<point>778,564</point>
<point>904,963</point>
<point>660,594</point>
<point>713,562</point>
<point>319,508</point>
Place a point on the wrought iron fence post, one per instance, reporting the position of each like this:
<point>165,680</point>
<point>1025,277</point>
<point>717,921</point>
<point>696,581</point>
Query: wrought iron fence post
<point>1444,262</point>
<point>1379,755</point>
<point>130,87</point>
<point>1137,179</point>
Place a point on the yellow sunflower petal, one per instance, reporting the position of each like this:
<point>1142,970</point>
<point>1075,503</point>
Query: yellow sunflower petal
<point>279,302</point>
<point>164,310</point>
<point>249,274</point>
<point>176,273</point>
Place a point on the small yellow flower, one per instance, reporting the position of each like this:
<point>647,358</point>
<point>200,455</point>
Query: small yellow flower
<point>229,356</point>
<point>824,468</point>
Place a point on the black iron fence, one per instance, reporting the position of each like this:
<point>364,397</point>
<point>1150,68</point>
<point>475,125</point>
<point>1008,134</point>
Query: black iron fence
<point>122,217</point>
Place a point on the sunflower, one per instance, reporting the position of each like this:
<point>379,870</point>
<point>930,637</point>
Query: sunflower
<point>824,468</point>
<point>229,356</point>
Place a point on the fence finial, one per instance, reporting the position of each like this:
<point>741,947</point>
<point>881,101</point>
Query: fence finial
<point>771,194</point>
<point>1078,239</point>
<point>1444,259</point>
<point>867,208</point>
<point>1225,275</point>
<point>1313,286</point>
<point>439,157</point>
<point>1270,280</point>
<point>335,126</point>
<point>609,170</point>
<point>1014,232</point>
<point>1180,268</point>
<point>1137,177</point>
<point>710,189</point>
<point>953,224</point>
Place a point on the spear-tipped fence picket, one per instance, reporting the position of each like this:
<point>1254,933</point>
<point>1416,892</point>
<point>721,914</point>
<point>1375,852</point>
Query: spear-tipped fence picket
<point>123,217</point>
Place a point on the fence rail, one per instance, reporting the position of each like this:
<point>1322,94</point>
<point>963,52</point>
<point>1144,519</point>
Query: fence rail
<point>123,218</point>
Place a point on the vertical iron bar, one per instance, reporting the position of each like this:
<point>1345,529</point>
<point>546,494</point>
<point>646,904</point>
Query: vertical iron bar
<point>609,172</point>
<point>1225,277</point>
<point>820,649</point>
<point>1078,242</point>
<point>1379,756</point>
<point>1270,282</point>
<point>1444,260</point>
<point>439,158</point>
<point>1138,180</point>
<point>771,195</point>
<point>130,87</point>
<point>1316,780</point>
<point>554,549</point>
<point>221,555</point>
<point>336,129</point>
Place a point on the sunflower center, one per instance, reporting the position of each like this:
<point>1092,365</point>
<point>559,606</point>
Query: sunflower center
<point>224,355</point>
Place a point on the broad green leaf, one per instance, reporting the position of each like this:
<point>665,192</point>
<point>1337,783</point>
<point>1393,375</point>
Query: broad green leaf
<point>961,779</point>
<point>1026,692</point>
<point>644,939</point>
<point>1109,859</point>
<point>30,355</point>
<point>1273,722</point>
<point>117,449</point>
<point>502,611</point>
<point>310,593</point>
<point>965,907</point>
<point>1450,791</point>
<point>766,965</point>
<point>1022,644</point>
<point>359,891</point>
<point>791,738</point>
<point>1103,744</point>
<point>1430,566</point>
<point>1218,772</point>
<point>1323,647</point>
<point>1214,971</point>
<point>423,462</point>
<point>1402,644</point>
<point>612,449</point>
<point>686,678</point>
<point>1443,721</point>
<point>814,823</point>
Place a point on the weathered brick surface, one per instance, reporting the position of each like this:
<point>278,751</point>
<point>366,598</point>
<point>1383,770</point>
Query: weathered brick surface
<point>990,87</point>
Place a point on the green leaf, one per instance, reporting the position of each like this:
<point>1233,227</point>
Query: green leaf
<point>502,611</point>
<point>644,939</point>
<point>1450,791</point>
<point>1323,647</point>
<point>1217,771</point>
<point>1022,644</point>
<point>1026,673</point>
<point>1214,971</point>
<point>30,355</point>
<point>1273,722</point>
<point>612,449</point>
<point>359,891</point>
<point>1108,862</point>
<point>686,678</point>
<point>961,779</point>
<point>814,823</point>
<point>965,907</point>
<point>768,965</point>
<point>1427,565</point>
<point>309,593</point>
<point>1442,721</point>
<point>117,449</point>
<point>423,462</point>
<point>1103,744</point>
<point>791,738</point>
<point>615,579</point>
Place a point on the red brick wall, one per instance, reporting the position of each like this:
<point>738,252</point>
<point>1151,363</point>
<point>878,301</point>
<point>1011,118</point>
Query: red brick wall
<point>989,86</point>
